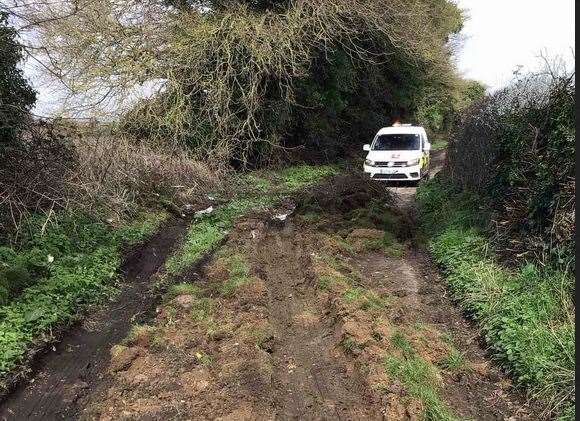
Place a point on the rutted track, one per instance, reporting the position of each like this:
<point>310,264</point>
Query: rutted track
<point>312,378</point>
<point>283,344</point>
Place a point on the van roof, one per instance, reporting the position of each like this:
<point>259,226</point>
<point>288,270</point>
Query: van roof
<point>401,130</point>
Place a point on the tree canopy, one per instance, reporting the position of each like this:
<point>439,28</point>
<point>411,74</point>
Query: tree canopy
<point>248,80</point>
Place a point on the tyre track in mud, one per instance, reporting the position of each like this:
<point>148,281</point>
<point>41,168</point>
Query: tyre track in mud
<point>312,379</point>
<point>481,392</point>
<point>76,366</point>
<point>304,372</point>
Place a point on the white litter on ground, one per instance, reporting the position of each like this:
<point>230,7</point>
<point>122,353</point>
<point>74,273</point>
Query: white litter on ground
<point>199,214</point>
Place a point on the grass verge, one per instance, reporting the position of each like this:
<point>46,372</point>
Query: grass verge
<point>69,264</point>
<point>527,314</point>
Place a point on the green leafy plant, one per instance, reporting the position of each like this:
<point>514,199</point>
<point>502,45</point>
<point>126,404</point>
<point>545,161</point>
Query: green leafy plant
<point>84,258</point>
<point>526,313</point>
<point>239,274</point>
<point>454,361</point>
<point>349,344</point>
<point>182,289</point>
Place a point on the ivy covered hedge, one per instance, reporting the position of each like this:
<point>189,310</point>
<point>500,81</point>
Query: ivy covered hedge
<point>516,148</point>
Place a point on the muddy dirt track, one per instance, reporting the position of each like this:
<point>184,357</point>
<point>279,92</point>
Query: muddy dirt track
<point>288,321</point>
<point>311,377</point>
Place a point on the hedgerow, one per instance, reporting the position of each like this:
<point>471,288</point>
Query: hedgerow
<point>516,149</point>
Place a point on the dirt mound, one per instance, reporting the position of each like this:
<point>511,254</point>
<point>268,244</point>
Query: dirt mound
<point>343,193</point>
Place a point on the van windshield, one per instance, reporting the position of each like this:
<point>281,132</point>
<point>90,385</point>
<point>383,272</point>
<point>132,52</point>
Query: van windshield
<point>398,142</point>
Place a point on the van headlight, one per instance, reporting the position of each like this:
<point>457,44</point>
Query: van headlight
<point>413,162</point>
<point>370,162</point>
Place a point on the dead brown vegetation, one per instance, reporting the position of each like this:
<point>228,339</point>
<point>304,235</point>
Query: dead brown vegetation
<point>63,166</point>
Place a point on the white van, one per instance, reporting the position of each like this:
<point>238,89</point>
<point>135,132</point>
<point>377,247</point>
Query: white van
<point>400,152</point>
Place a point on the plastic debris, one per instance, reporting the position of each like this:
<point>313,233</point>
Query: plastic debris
<point>208,211</point>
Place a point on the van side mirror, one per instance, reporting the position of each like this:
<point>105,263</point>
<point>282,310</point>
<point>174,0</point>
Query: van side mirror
<point>427,147</point>
<point>367,148</point>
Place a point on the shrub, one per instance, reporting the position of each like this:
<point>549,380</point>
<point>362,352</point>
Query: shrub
<point>116,173</point>
<point>516,149</point>
<point>62,166</point>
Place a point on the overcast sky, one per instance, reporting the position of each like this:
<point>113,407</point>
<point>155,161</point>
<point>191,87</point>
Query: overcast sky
<point>502,34</point>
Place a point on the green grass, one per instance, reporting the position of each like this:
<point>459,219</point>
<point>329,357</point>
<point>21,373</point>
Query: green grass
<point>454,361</point>
<point>354,294</point>
<point>206,233</point>
<point>338,264</point>
<point>202,237</point>
<point>202,310</point>
<point>378,216</point>
<point>288,179</point>
<point>402,343</point>
<point>182,289</point>
<point>239,274</point>
<point>375,214</point>
<point>420,380</point>
<point>85,256</point>
<point>388,244</point>
<point>325,281</point>
<point>258,183</point>
<point>526,313</point>
<point>204,359</point>
<point>392,246</point>
<point>138,331</point>
<point>373,301</point>
<point>419,377</point>
<point>203,315</point>
<point>301,176</point>
<point>365,299</point>
<point>439,145</point>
